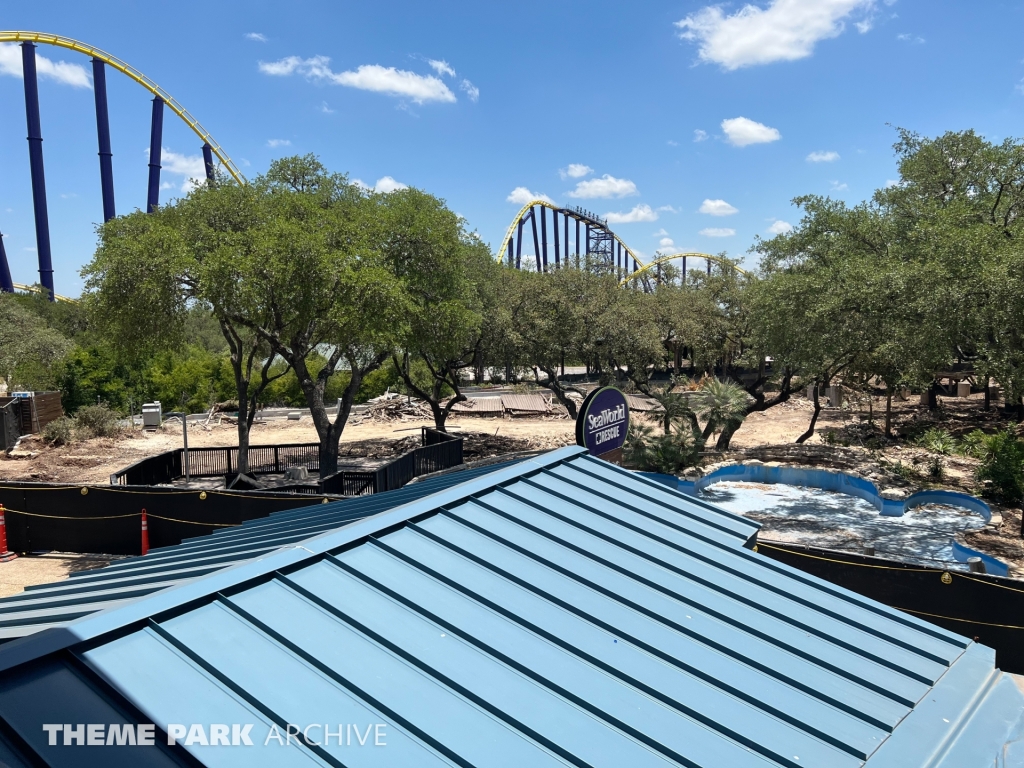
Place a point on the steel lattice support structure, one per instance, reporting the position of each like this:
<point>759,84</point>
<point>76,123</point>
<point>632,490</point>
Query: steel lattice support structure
<point>592,238</point>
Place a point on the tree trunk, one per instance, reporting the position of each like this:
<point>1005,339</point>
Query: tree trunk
<point>554,386</point>
<point>244,423</point>
<point>888,412</point>
<point>726,436</point>
<point>814,418</point>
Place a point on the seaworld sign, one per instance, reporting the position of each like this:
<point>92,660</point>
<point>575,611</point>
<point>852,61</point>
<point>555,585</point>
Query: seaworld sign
<point>603,422</point>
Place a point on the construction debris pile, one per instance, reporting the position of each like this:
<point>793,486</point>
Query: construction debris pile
<point>392,406</point>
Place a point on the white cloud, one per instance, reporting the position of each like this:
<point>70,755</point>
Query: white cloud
<point>522,196</point>
<point>442,67</point>
<point>717,208</point>
<point>785,30</point>
<point>642,212</point>
<point>388,184</point>
<point>575,171</point>
<point>273,143</point>
<point>326,109</point>
<point>191,167</point>
<point>741,131</point>
<point>368,77</point>
<point>822,157</point>
<point>891,183</point>
<point>672,143</point>
<point>838,187</point>
<point>257,37</point>
<point>64,73</point>
<point>471,90</point>
<point>717,232</point>
<point>699,135</point>
<point>780,227</point>
<point>666,209</point>
<point>666,242</point>
<point>606,186</point>
<point>660,233</point>
<point>912,39</point>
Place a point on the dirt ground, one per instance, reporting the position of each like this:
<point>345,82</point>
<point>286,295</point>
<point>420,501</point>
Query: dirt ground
<point>852,432</point>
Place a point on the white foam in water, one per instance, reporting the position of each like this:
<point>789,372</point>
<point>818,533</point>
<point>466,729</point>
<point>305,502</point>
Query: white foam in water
<point>837,521</point>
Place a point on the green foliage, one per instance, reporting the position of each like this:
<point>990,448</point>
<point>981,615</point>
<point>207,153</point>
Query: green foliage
<point>30,350</point>
<point>96,421</point>
<point>666,453</point>
<point>938,440</point>
<point>1002,468</point>
<point>59,431</point>
<point>974,443</point>
<point>721,404</point>
<point>192,380</point>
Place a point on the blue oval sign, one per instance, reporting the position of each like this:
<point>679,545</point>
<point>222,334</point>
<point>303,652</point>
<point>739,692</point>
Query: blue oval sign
<point>603,421</point>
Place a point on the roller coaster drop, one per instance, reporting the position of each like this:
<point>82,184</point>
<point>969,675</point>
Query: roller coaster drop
<point>100,60</point>
<point>591,237</point>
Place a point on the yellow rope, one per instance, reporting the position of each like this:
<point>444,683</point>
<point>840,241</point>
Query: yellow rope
<point>953,618</point>
<point>63,517</point>
<point>119,517</point>
<point>846,562</point>
<point>193,522</point>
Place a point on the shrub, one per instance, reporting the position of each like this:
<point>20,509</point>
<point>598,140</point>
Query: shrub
<point>937,440</point>
<point>974,444</point>
<point>667,453</point>
<point>1002,468</point>
<point>59,431</point>
<point>97,421</point>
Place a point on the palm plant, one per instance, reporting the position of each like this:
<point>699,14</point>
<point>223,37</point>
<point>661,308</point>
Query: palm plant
<point>722,405</point>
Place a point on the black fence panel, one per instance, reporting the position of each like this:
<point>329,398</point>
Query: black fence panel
<point>400,471</point>
<point>434,458</point>
<point>107,519</point>
<point>988,609</point>
<point>10,423</point>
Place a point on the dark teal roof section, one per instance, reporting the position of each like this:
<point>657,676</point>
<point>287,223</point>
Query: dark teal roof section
<point>561,611</point>
<point>48,605</point>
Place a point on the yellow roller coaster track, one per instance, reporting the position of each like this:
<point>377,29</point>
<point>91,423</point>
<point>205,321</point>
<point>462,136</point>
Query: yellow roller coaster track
<point>37,289</point>
<point>672,256</point>
<point>134,74</point>
<point>643,268</point>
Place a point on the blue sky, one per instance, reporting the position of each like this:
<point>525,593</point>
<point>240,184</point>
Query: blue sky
<point>696,124</point>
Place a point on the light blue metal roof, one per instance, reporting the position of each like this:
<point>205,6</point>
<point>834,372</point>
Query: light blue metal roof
<point>558,612</point>
<point>47,605</point>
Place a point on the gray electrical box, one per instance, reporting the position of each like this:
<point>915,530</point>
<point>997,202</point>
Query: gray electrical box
<point>152,414</point>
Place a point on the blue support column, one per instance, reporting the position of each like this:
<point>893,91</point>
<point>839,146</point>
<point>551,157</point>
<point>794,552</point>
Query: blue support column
<point>586,250</point>
<point>709,265</point>
<point>510,252</point>
<point>156,134</point>
<point>536,244</point>
<point>208,162</point>
<point>99,83</point>
<point>544,236</point>
<point>554,232</point>
<point>35,157</point>
<point>6,284</point>
<point>566,238</point>
<point>519,245</point>
<point>577,237</point>
<point>684,270</point>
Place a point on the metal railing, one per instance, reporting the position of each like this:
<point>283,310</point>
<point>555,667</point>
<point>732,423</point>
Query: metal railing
<point>438,450</point>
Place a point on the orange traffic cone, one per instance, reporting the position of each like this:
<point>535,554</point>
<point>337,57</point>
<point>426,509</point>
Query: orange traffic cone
<point>145,533</point>
<point>5,556</point>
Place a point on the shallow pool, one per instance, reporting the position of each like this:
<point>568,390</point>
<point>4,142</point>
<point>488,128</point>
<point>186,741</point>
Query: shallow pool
<point>837,521</point>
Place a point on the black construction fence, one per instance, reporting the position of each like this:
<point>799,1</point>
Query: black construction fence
<point>438,450</point>
<point>985,608</point>
<point>108,518</point>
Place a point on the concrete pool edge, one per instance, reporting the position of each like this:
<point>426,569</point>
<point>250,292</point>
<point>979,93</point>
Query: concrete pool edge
<point>851,485</point>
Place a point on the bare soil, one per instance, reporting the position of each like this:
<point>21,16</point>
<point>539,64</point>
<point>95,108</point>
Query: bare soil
<point>853,436</point>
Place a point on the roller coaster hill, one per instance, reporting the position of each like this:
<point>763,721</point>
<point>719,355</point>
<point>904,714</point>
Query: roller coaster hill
<point>557,233</point>
<point>101,61</point>
<point>575,232</point>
